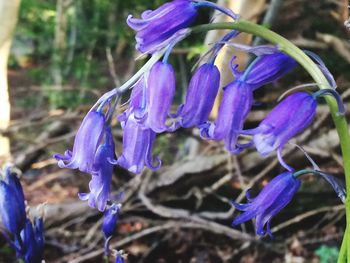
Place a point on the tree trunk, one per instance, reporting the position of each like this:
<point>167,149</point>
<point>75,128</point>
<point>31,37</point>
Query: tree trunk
<point>59,54</point>
<point>8,18</point>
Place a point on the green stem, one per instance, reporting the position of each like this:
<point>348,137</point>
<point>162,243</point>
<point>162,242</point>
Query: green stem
<point>339,120</point>
<point>106,259</point>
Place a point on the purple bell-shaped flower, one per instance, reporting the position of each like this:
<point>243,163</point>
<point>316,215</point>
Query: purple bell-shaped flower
<point>33,241</point>
<point>291,116</point>
<point>86,142</point>
<point>101,174</point>
<point>110,220</point>
<point>267,68</point>
<point>236,103</point>
<point>160,92</point>
<point>156,27</point>
<point>137,147</point>
<point>12,206</point>
<point>201,94</point>
<point>270,201</point>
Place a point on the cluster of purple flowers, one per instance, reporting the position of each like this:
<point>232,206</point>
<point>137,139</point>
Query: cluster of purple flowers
<point>26,237</point>
<point>93,151</point>
<point>153,91</point>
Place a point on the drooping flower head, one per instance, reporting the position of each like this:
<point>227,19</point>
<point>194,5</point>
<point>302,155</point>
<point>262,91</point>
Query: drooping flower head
<point>12,206</point>
<point>200,97</point>
<point>33,241</point>
<point>160,92</point>
<point>25,237</point>
<point>157,28</point>
<point>236,103</point>
<point>119,259</point>
<point>138,138</point>
<point>270,201</point>
<point>291,116</point>
<point>101,174</point>
<point>238,97</point>
<point>86,142</point>
<point>110,220</point>
<point>268,68</point>
<point>137,147</point>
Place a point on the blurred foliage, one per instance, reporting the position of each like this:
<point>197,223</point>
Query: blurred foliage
<point>327,254</point>
<point>92,26</point>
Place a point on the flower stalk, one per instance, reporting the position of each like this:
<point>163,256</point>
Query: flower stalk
<point>339,120</point>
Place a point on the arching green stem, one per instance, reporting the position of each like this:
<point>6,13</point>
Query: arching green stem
<point>340,121</point>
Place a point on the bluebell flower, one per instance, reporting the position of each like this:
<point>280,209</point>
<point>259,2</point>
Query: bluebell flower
<point>157,28</point>
<point>200,97</point>
<point>291,116</point>
<point>86,142</point>
<point>33,241</point>
<point>26,238</point>
<point>12,206</point>
<point>160,91</point>
<point>270,201</point>
<point>119,259</point>
<point>137,147</point>
<point>267,68</point>
<point>110,220</point>
<point>101,174</point>
<point>237,99</point>
<point>151,99</point>
<point>138,138</point>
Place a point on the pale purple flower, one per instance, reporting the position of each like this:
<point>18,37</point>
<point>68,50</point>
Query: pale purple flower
<point>137,147</point>
<point>101,174</point>
<point>86,142</point>
<point>160,91</point>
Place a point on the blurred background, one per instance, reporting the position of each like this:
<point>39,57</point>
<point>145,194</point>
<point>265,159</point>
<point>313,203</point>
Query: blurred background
<point>58,56</point>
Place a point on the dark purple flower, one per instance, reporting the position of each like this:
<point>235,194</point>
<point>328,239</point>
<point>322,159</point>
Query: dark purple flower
<point>12,206</point>
<point>119,259</point>
<point>288,118</point>
<point>267,68</point>
<point>86,141</point>
<point>236,103</point>
<point>33,241</point>
<point>137,147</point>
<point>200,96</point>
<point>101,173</point>
<point>110,220</point>
<point>270,201</point>
<point>156,27</point>
<point>160,92</point>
